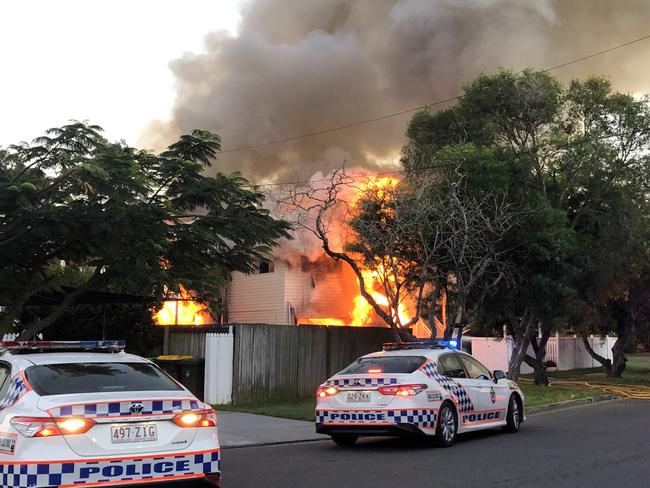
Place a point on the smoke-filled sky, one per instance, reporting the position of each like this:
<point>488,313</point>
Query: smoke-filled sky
<point>281,68</point>
<point>298,66</point>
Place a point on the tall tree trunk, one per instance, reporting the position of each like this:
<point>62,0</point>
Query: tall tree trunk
<point>626,320</point>
<point>619,360</point>
<point>626,325</point>
<point>606,363</point>
<point>537,362</point>
<point>32,329</point>
<point>521,329</point>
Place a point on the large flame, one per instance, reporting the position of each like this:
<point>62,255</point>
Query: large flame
<point>362,314</point>
<point>184,311</point>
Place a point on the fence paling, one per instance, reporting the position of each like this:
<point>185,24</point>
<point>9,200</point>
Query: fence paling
<point>219,368</point>
<point>277,362</point>
<point>566,352</point>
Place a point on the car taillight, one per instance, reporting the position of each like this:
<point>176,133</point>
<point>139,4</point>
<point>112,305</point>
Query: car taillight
<point>49,427</point>
<point>402,390</point>
<point>205,418</point>
<point>327,391</point>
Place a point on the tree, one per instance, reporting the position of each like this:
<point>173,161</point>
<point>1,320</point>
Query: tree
<point>609,211</point>
<point>130,322</point>
<point>322,209</point>
<point>421,238</point>
<point>613,296</point>
<point>566,159</point>
<point>78,210</point>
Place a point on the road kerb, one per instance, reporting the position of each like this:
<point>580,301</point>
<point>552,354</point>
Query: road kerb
<point>278,443</point>
<point>570,403</point>
<point>529,411</point>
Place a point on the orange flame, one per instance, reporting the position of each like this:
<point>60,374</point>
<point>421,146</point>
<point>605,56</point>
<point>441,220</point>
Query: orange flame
<point>183,312</point>
<point>362,314</point>
<point>320,321</point>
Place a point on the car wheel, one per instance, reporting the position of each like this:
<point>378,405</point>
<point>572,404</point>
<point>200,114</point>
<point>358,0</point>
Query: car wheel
<point>447,426</point>
<point>513,419</point>
<point>345,439</point>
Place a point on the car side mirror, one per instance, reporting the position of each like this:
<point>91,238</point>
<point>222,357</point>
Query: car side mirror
<point>498,375</point>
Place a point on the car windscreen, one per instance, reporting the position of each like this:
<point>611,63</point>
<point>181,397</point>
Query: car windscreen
<point>61,379</point>
<point>385,364</point>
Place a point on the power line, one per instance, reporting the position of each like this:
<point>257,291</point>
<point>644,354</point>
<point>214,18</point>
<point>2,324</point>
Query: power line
<point>412,170</point>
<point>420,107</point>
<point>340,127</point>
<point>599,53</point>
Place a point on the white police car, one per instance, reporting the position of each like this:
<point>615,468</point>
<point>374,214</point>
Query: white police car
<point>424,388</point>
<point>88,414</point>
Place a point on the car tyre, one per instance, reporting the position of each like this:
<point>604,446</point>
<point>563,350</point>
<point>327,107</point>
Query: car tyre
<point>345,439</point>
<point>513,418</point>
<point>447,428</point>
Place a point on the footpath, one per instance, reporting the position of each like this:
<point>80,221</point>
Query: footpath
<point>247,429</point>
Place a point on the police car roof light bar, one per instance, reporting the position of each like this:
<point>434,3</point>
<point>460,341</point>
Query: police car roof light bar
<point>114,346</point>
<point>430,344</point>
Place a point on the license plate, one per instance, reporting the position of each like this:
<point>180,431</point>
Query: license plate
<point>121,434</point>
<point>358,396</point>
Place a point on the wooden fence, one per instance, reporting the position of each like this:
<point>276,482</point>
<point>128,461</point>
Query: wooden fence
<point>280,362</point>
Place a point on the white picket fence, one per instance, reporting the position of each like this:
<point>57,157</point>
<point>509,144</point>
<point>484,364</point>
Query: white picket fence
<point>567,352</point>
<point>219,350</point>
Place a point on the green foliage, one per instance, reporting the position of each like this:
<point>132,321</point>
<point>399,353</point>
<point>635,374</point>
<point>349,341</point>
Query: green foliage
<point>575,162</point>
<point>123,219</point>
<point>130,322</point>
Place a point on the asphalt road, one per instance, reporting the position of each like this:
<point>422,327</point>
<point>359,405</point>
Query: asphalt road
<point>602,445</point>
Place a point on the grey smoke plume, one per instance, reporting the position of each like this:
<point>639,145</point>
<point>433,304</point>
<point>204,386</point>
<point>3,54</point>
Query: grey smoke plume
<point>299,66</point>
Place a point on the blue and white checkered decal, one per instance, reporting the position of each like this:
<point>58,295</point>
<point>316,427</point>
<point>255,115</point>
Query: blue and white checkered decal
<point>122,409</point>
<point>17,388</point>
<point>420,417</point>
<point>362,382</point>
<point>90,472</point>
<point>459,393</point>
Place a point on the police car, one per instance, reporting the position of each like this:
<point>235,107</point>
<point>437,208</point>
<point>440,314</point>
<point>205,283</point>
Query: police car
<point>425,388</point>
<point>88,414</point>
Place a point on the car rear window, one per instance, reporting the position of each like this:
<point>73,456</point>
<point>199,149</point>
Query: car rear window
<point>60,379</point>
<point>385,364</point>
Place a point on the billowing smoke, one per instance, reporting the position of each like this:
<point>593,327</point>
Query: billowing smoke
<point>300,66</point>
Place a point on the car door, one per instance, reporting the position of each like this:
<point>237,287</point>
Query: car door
<point>491,397</point>
<point>5,378</point>
<point>7,441</point>
<point>459,386</point>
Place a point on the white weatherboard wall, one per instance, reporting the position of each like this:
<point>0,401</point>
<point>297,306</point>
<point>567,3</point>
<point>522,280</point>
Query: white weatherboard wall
<point>219,351</point>
<point>258,298</point>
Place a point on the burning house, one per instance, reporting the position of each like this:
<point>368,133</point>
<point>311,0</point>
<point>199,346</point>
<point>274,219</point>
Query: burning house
<point>302,285</point>
<point>320,292</point>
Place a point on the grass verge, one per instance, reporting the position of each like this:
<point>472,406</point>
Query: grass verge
<point>303,409</point>
<point>636,373</point>
<point>543,395</point>
<point>300,409</point>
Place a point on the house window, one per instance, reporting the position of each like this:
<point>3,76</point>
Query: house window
<point>266,266</point>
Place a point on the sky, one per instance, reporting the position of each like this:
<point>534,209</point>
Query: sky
<point>106,61</point>
<point>255,71</point>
